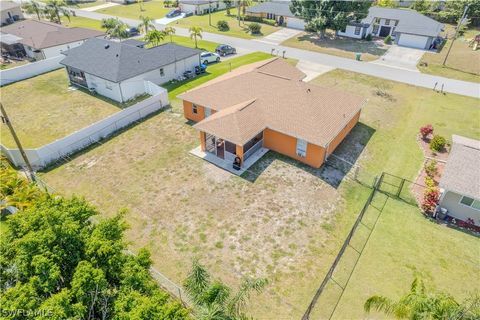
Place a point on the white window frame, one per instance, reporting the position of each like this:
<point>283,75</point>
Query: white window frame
<point>387,22</point>
<point>301,148</point>
<point>377,27</point>
<point>357,30</point>
<point>471,205</point>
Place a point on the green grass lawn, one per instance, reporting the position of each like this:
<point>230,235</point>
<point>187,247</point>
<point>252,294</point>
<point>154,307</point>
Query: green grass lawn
<point>337,46</point>
<point>44,108</point>
<point>287,224</point>
<point>12,64</point>
<point>88,4</point>
<point>152,9</point>
<point>235,30</point>
<point>188,42</point>
<point>463,63</point>
<point>82,23</point>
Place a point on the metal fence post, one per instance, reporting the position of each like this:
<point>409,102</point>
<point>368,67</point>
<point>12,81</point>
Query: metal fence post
<point>400,187</point>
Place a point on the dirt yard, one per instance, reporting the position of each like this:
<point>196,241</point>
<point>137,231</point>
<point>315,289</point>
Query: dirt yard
<point>272,222</point>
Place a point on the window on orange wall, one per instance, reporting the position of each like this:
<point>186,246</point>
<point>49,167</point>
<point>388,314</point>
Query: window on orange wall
<point>194,108</point>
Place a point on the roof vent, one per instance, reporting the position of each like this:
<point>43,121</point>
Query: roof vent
<point>308,90</point>
<point>107,46</point>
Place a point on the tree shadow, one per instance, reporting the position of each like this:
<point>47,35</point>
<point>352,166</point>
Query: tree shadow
<point>334,170</point>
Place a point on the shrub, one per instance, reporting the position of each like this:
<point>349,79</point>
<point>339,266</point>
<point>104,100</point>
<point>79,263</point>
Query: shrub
<point>425,131</point>
<point>254,28</point>
<point>429,182</point>
<point>431,168</point>
<point>430,200</point>
<point>222,25</point>
<point>253,19</point>
<point>387,40</point>
<point>368,37</point>
<point>437,143</point>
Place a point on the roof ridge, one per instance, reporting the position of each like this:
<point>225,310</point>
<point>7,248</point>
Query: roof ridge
<point>274,75</point>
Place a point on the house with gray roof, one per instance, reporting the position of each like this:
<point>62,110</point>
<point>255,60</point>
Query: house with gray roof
<point>407,27</point>
<point>118,70</point>
<point>199,7</point>
<point>41,39</point>
<point>278,11</point>
<point>460,182</point>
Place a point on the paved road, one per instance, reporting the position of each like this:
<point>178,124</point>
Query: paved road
<point>377,70</point>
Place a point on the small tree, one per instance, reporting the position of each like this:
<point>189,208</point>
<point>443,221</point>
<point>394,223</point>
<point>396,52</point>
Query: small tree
<point>425,131</point>
<point>195,33</point>
<point>388,40</point>
<point>154,37</point>
<point>54,9</point>
<point>437,143</point>
<point>145,24</point>
<point>169,31</point>
<point>222,25</point>
<point>33,7</point>
<point>254,28</point>
<point>368,37</point>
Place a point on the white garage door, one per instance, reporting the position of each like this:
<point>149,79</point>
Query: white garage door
<point>295,23</point>
<point>414,41</point>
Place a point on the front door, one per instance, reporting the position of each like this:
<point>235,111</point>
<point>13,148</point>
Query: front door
<point>220,148</point>
<point>384,31</point>
<point>280,21</point>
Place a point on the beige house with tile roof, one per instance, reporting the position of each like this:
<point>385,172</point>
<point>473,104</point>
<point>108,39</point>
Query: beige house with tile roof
<point>266,104</point>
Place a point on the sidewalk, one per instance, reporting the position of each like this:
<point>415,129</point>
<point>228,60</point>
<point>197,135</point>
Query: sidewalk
<point>376,70</point>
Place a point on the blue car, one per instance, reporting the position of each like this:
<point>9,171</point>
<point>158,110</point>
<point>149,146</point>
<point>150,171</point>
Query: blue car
<point>174,13</point>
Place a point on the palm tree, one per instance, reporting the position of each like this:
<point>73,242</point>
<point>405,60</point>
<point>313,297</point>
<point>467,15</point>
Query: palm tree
<point>169,31</point>
<point>242,6</point>
<point>154,37</point>
<point>214,299</point>
<point>115,28</point>
<point>195,32</point>
<point>145,24</point>
<point>55,8</point>
<point>419,304</point>
<point>33,7</point>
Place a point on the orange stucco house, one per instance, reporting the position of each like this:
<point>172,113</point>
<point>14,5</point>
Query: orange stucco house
<point>267,105</point>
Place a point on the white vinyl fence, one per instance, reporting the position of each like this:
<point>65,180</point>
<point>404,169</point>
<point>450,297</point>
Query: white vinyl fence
<point>30,70</point>
<point>62,148</point>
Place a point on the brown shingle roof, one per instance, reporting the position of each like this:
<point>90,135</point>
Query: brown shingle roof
<point>42,34</point>
<point>253,99</point>
<point>462,172</point>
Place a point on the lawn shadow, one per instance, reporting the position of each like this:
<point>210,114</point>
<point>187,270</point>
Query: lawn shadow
<point>338,165</point>
<point>342,43</point>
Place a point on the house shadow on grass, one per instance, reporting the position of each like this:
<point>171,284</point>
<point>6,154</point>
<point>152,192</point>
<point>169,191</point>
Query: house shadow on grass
<point>338,165</point>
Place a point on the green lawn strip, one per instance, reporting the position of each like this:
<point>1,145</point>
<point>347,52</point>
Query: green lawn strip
<point>13,64</point>
<point>235,30</point>
<point>203,45</point>
<point>44,108</point>
<point>152,9</point>
<point>82,23</point>
<point>338,46</point>
<point>87,4</point>
<point>462,63</point>
<point>403,245</point>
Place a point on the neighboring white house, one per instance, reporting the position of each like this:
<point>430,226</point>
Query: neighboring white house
<point>10,12</point>
<point>278,11</point>
<point>199,7</point>
<point>460,182</point>
<point>41,39</point>
<point>118,70</point>
<point>407,27</point>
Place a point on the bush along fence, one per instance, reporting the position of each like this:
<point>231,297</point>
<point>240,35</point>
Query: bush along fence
<point>62,149</point>
<point>30,70</point>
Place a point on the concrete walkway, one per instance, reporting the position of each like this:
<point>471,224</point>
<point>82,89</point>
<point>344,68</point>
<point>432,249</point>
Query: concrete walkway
<point>166,20</point>
<point>279,36</point>
<point>101,6</point>
<point>376,70</point>
<point>312,70</point>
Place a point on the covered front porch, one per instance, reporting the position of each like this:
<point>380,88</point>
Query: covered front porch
<point>230,156</point>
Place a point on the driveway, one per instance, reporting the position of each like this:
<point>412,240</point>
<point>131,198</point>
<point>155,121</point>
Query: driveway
<point>101,6</point>
<point>401,57</point>
<point>279,36</point>
<point>165,20</point>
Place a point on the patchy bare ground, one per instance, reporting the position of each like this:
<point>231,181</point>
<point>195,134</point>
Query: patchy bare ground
<point>269,223</point>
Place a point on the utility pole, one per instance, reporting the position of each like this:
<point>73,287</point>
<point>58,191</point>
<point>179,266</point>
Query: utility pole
<point>6,120</point>
<point>456,32</point>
